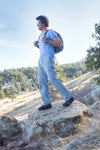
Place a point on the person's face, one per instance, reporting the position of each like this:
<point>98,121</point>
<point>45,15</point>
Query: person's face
<point>40,24</point>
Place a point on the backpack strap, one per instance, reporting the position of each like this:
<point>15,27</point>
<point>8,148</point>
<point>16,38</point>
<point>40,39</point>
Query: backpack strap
<point>44,34</point>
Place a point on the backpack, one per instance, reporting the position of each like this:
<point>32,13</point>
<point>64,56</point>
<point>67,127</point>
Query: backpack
<point>57,49</point>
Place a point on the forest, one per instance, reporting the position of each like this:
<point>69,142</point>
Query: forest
<point>14,81</point>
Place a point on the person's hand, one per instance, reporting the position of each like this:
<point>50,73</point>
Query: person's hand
<point>44,40</point>
<point>36,44</point>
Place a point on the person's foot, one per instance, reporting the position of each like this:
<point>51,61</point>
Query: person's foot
<point>67,103</point>
<point>45,107</point>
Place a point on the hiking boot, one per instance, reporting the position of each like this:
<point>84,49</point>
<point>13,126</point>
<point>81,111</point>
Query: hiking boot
<point>45,107</point>
<point>67,103</point>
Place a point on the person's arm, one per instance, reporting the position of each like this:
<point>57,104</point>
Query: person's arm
<point>55,41</point>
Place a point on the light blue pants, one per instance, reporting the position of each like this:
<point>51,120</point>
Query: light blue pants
<point>46,71</point>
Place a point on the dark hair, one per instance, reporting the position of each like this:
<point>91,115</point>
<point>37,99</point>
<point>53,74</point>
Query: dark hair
<point>44,20</point>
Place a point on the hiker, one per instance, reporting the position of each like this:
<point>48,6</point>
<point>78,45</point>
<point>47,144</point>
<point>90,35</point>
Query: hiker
<point>46,70</point>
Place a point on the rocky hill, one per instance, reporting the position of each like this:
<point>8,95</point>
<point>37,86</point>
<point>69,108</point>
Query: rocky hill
<point>75,127</point>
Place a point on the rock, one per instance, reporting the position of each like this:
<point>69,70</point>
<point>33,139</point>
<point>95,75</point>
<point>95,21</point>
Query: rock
<point>94,109</point>
<point>74,144</point>
<point>3,148</point>
<point>92,97</point>
<point>9,127</point>
<point>13,144</point>
<point>1,141</point>
<point>95,106</point>
<point>21,144</point>
<point>35,146</point>
<point>56,120</point>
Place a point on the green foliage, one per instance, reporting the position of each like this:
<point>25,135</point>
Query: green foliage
<point>59,72</point>
<point>18,87</point>
<point>2,95</point>
<point>30,86</point>
<point>74,70</point>
<point>98,78</point>
<point>73,78</point>
<point>11,93</point>
<point>0,83</point>
<point>18,78</point>
<point>79,73</point>
<point>93,56</point>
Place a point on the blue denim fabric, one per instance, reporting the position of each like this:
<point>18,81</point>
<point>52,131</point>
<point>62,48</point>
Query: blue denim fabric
<point>46,71</point>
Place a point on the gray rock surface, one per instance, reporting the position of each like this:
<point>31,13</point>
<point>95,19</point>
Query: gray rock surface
<point>9,127</point>
<point>95,106</point>
<point>92,97</point>
<point>74,144</point>
<point>56,120</point>
<point>35,146</point>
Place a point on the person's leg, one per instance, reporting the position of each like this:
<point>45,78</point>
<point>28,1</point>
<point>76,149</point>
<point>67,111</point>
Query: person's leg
<point>43,84</point>
<point>48,65</point>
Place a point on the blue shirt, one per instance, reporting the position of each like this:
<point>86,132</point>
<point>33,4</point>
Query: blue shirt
<point>45,48</point>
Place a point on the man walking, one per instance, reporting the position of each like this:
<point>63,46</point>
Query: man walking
<point>46,70</point>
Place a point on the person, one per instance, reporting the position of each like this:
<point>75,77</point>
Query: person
<point>46,69</point>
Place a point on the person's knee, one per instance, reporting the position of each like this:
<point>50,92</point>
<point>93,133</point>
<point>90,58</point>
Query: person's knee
<point>42,83</point>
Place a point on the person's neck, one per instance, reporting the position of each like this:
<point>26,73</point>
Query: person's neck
<point>44,29</point>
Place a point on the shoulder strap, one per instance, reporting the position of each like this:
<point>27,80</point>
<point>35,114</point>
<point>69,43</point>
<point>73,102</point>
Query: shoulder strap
<point>46,32</point>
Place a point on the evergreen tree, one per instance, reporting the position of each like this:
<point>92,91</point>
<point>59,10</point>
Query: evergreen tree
<point>73,77</point>
<point>30,86</point>
<point>11,92</point>
<point>79,73</point>
<point>93,56</point>
<point>18,87</point>
<point>2,95</point>
<point>0,83</point>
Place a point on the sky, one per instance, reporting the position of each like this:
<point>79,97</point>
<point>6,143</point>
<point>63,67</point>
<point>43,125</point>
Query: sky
<point>73,19</point>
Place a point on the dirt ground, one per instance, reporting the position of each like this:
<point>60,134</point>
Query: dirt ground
<point>88,131</point>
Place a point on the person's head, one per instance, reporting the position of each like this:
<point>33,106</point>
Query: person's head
<point>42,21</point>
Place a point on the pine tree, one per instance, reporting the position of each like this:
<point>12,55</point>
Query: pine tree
<point>11,92</point>
<point>2,95</point>
<point>93,56</point>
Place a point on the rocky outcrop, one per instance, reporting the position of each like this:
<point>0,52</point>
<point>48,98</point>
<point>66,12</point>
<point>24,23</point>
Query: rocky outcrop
<point>92,97</point>
<point>36,146</point>
<point>54,121</point>
<point>15,144</point>
<point>74,144</point>
<point>95,106</point>
<point>9,127</point>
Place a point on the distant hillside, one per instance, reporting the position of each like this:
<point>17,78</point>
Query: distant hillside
<point>14,81</point>
<point>74,70</point>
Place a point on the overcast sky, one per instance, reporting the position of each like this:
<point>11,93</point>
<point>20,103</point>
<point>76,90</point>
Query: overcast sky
<point>73,19</point>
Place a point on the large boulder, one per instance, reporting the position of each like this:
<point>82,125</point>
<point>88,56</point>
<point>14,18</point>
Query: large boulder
<point>92,97</point>
<point>9,127</point>
<point>56,120</point>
